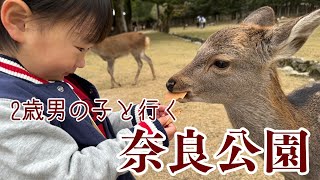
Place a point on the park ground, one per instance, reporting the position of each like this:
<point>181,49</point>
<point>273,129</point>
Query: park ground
<point>169,55</point>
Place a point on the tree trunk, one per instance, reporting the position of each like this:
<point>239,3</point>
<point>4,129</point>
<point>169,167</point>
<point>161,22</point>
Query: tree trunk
<point>120,23</point>
<point>166,18</point>
<point>158,17</point>
<point>280,12</point>
<point>128,16</point>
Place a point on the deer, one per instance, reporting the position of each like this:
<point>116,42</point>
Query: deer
<point>123,44</point>
<point>237,67</point>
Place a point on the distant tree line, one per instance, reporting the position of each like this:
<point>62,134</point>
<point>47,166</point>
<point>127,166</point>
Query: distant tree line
<point>161,13</point>
<point>237,9</point>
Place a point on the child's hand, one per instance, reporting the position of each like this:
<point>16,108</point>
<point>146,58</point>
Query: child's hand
<point>170,128</point>
<point>161,111</point>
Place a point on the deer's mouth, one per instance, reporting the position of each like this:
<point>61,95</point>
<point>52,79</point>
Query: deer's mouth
<point>187,98</point>
<point>191,97</point>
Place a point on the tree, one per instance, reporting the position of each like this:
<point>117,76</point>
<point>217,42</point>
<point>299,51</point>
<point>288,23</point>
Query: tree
<point>230,9</point>
<point>164,16</point>
<point>128,16</point>
<point>120,22</point>
<point>141,10</point>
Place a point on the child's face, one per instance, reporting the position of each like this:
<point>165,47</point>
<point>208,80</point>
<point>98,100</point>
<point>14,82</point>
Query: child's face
<point>53,53</point>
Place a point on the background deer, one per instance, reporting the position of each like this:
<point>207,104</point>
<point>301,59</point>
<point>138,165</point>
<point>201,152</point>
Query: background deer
<point>236,67</point>
<point>120,45</point>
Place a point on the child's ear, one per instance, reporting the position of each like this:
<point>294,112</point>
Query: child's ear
<point>14,14</point>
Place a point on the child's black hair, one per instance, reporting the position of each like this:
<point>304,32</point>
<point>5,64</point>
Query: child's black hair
<point>92,18</point>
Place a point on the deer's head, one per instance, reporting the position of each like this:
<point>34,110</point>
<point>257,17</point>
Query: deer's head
<point>239,61</point>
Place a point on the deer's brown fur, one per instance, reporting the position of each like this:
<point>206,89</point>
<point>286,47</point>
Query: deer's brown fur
<point>236,67</point>
<point>113,47</point>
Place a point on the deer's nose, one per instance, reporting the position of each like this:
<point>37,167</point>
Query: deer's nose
<point>170,84</point>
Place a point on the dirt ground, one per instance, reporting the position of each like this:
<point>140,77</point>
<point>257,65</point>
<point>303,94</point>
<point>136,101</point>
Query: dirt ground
<point>169,55</point>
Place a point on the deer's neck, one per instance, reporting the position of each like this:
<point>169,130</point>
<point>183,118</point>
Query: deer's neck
<point>269,107</point>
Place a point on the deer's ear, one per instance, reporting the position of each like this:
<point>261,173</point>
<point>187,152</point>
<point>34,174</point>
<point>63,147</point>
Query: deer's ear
<point>288,38</point>
<point>263,16</point>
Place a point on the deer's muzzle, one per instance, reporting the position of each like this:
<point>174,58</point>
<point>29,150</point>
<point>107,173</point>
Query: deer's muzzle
<point>170,85</point>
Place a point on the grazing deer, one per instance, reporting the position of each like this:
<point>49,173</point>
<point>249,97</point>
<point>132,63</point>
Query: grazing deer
<point>120,45</point>
<point>236,67</point>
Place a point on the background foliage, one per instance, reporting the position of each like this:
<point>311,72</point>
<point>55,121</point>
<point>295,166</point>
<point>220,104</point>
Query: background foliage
<point>162,14</point>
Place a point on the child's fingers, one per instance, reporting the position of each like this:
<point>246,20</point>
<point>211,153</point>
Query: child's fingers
<point>161,111</point>
<point>170,126</point>
<point>169,121</point>
<point>163,120</point>
<point>170,130</point>
<point>162,108</point>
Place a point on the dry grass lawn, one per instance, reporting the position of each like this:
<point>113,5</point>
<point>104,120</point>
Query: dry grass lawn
<point>169,55</point>
<point>310,50</point>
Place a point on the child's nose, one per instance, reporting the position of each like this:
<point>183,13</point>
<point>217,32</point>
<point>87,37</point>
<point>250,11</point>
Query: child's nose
<point>81,62</point>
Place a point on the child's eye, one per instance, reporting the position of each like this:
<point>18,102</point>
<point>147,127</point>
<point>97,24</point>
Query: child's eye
<point>81,49</point>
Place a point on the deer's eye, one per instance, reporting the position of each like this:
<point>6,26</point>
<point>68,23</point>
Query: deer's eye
<point>221,64</point>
